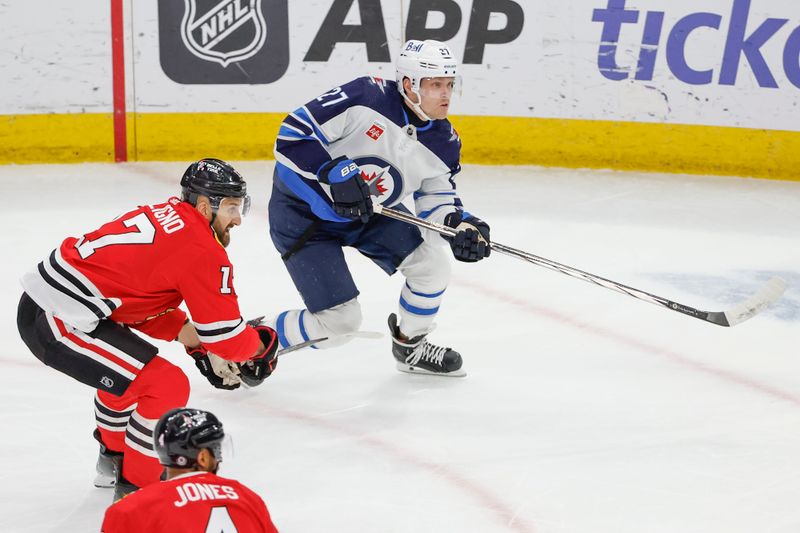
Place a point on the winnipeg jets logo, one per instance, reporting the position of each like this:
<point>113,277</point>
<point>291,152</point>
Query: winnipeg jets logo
<point>384,181</point>
<point>375,182</point>
<point>223,31</point>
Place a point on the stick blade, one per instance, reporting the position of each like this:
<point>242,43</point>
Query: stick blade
<point>768,294</point>
<point>300,346</point>
<point>366,335</point>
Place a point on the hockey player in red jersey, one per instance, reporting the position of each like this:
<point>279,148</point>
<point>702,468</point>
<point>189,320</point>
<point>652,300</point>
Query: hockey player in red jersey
<point>81,305</point>
<point>193,499</point>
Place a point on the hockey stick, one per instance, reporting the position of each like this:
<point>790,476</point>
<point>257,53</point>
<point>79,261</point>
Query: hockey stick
<point>356,335</point>
<point>763,298</point>
<point>306,344</point>
<point>250,383</point>
<point>299,346</point>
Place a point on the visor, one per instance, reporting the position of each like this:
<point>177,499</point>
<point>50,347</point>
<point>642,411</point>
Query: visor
<point>232,206</point>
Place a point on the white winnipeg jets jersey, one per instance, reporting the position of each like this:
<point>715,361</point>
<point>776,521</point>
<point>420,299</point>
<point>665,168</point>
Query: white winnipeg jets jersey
<point>366,121</point>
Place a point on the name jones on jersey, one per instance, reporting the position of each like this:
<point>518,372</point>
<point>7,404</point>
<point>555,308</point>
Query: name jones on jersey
<point>193,492</point>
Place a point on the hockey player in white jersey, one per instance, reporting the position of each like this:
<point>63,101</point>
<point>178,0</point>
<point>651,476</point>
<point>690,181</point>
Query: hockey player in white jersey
<point>373,140</point>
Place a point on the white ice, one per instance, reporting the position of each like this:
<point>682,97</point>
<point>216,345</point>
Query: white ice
<point>583,411</point>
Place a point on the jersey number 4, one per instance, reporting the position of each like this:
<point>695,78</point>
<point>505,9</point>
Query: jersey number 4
<point>220,521</point>
<point>145,234</point>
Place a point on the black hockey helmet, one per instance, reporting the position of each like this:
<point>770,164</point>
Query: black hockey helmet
<point>215,179</point>
<point>181,433</point>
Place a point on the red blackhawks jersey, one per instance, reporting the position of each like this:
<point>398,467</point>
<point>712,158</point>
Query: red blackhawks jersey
<point>197,502</point>
<point>137,269</point>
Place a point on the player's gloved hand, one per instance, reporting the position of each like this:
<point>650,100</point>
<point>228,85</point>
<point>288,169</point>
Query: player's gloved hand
<point>351,198</point>
<point>219,372</point>
<point>260,367</point>
<point>472,242</point>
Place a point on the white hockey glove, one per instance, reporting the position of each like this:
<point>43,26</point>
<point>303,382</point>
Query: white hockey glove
<point>221,373</point>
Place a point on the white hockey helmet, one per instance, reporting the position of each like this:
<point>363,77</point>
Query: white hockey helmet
<point>425,59</point>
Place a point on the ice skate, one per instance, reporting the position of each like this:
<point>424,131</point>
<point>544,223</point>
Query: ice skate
<point>418,356</point>
<point>108,462</point>
<point>122,487</point>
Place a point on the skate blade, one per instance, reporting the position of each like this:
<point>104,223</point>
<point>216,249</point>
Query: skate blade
<point>104,482</point>
<point>410,369</point>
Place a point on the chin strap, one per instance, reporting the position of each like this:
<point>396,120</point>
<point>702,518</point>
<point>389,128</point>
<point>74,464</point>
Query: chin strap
<point>216,237</point>
<point>416,107</point>
<point>211,225</point>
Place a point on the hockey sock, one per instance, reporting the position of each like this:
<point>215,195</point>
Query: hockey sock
<point>417,310</point>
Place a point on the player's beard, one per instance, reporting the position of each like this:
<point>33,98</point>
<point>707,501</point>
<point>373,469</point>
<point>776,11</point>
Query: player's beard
<point>223,234</point>
<point>225,238</point>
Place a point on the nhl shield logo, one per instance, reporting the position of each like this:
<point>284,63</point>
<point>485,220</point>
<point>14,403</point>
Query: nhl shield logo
<point>223,31</point>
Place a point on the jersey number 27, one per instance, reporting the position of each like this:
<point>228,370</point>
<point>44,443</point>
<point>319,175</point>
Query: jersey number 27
<point>340,95</point>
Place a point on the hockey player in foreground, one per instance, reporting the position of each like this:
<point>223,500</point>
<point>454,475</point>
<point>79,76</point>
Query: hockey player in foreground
<point>82,303</point>
<point>193,497</point>
<point>374,140</point>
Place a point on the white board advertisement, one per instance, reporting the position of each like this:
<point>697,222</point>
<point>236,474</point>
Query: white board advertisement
<point>709,62</point>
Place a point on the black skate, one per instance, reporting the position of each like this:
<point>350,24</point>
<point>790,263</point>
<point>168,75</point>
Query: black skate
<point>122,487</point>
<point>108,462</point>
<point>418,356</point>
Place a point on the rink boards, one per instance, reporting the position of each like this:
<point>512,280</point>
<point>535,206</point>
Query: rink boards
<point>701,87</point>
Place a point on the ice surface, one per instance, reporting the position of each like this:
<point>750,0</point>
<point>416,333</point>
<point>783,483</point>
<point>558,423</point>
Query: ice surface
<point>583,411</point>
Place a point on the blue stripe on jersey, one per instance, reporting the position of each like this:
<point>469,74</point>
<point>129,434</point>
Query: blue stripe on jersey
<point>298,186</point>
<point>426,214</point>
<point>424,295</point>
<point>307,155</point>
<point>418,195</point>
<point>417,310</point>
<point>287,132</point>
<point>280,329</point>
<point>293,122</point>
<point>300,112</point>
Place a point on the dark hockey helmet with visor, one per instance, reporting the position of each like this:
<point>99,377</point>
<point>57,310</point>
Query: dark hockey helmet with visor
<point>215,179</point>
<point>181,433</point>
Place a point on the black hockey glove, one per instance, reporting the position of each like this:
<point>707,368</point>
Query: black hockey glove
<point>350,193</point>
<point>260,367</point>
<point>472,242</point>
<point>219,372</point>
